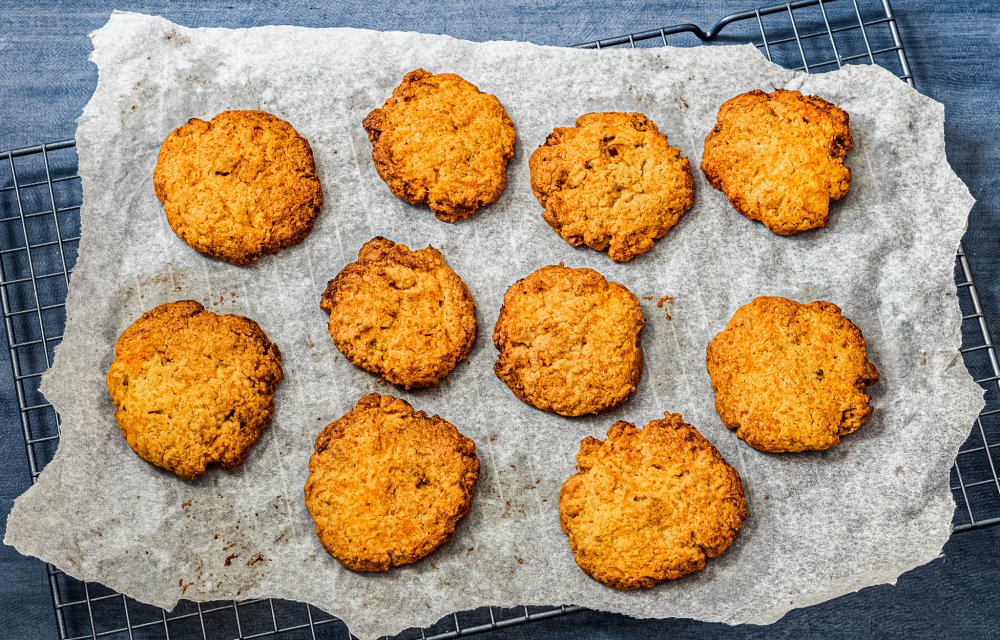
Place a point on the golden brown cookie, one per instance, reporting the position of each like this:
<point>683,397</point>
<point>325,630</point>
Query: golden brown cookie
<point>650,505</point>
<point>238,186</point>
<point>790,376</point>
<point>402,314</point>
<point>387,485</point>
<point>611,182</point>
<point>439,140</point>
<point>779,158</point>
<point>191,387</point>
<point>569,341</point>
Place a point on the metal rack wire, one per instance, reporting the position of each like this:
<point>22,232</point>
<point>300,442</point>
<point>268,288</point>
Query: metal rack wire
<point>40,199</point>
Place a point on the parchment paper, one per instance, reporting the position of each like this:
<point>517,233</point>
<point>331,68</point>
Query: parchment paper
<point>820,524</point>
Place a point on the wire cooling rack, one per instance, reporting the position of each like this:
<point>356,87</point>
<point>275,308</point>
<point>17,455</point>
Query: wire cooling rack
<point>40,198</point>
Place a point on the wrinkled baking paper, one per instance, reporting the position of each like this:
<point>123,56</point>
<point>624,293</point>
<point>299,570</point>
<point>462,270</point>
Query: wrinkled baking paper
<point>820,524</point>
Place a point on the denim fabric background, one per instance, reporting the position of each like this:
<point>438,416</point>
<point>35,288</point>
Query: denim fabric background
<point>45,80</point>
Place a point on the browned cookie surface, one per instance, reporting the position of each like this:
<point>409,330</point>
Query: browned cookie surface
<point>568,341</point>
<point>440,141</point>
<point>651,504</point>
<point>791,376</point>
<point>238,186</point>
<point>779,158</point>
<point>402,314</point>
<point>191,387</point>
<point>387,485</point>
<point>612,182</point>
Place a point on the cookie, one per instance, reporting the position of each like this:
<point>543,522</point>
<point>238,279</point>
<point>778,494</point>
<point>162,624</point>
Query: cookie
<point>790,376</point>
<point>649,505</point>
<point>568,341</point>
<point>779,158</point>
<point>402,314</point>
<point>238,186</point>
<point>387,485</point>
<point>440,141</point>
<point>612,183</point>
<point>192,388</point>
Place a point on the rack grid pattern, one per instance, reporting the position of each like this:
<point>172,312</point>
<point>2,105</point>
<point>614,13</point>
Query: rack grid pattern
<point>40,197</point>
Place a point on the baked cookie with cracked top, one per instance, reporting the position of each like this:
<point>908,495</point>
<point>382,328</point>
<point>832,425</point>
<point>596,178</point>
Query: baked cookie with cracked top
<point>388,485</point>
<point>612,182</point>
<point>568,341</point>
<point>779,158</point>
<point>440,141</point>
<point>405,315</point>
<point>192,388</point>
<point>791,376</point>
<point>649,505</point>
<point>238,186</point>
